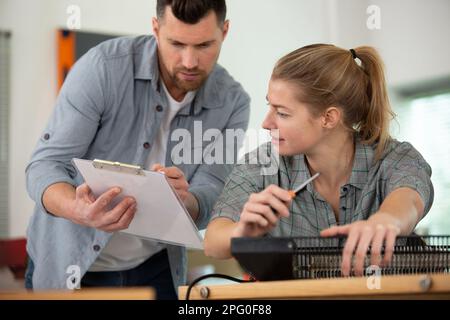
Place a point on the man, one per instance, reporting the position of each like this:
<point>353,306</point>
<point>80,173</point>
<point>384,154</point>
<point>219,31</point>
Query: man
<point>121,102</point>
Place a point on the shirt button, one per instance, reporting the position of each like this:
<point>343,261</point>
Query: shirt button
<point>146,145</point>
<point>46,136</point>
<point>344,189</point>
<point>159,108</point>
<point>96,248</point>
<point>344,208</point>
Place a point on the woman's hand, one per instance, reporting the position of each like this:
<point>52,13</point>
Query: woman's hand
<point>381,228</point>
<point>262,211</point>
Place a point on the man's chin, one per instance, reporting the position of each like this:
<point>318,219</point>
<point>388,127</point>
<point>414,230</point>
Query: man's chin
<point>190,85</point>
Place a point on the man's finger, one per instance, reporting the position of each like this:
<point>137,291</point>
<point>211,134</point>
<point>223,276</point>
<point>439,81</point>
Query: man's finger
<point>82,190</point>
<point>115,214</point>
<point>104,199</point>
<point>156,167</point>
<point>178,183</point>
<point>172,172</point>
<point>124,220</point>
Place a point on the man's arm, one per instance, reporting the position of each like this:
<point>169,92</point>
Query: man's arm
<point>69,132</point>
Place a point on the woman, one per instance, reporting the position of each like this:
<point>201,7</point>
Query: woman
<point>328,113</point>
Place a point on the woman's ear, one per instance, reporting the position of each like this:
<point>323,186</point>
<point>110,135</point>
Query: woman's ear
<point>331,117</point>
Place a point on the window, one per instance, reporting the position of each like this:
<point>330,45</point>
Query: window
<point>425,123</point>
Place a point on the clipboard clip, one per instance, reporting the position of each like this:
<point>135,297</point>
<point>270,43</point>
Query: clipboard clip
<point>118,167</point>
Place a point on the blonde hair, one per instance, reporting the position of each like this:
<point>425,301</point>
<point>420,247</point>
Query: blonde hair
<point>327,75</point>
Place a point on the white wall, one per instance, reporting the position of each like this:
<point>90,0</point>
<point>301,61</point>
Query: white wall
<point>261,31</point>
<point>413,40</point>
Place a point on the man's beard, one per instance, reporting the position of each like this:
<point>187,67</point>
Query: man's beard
<point>189,85</point>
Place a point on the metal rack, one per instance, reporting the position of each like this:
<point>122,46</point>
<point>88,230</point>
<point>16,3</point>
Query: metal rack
<point>315,257</point>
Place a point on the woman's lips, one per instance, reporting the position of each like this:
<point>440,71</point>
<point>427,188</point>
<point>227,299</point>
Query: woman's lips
<point>277,140</point>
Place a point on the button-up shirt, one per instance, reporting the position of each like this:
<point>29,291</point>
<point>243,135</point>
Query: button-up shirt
<point>370,183</point>
<point>110,107</point>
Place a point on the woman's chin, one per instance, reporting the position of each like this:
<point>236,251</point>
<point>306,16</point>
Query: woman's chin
<point>281,149</point>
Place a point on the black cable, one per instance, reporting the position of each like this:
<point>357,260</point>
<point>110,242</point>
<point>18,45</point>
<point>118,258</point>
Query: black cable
<point>213,275</point>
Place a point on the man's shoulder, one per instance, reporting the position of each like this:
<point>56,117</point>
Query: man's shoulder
<point>226,83</point>
<point>124,46</point>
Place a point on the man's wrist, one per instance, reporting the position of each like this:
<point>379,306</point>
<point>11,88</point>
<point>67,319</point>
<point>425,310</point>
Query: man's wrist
<point>192,206</point>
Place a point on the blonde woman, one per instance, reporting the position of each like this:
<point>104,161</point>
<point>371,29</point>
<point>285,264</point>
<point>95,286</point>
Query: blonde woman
<point>328,112</point>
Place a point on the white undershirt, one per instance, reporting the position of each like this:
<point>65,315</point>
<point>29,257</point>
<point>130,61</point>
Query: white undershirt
<point>123,251</point>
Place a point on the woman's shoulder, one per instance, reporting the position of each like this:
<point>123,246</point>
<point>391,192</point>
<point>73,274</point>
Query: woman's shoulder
<point>400,149</point>
<point>399,154</point>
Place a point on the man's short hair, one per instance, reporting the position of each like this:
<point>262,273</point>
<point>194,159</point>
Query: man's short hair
<point>192,11</point>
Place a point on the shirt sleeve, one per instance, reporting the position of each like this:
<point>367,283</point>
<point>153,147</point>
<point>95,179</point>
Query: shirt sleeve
<point>236,192</point>
<point>246,178</point>
<point>71,127</point>
<point>209,179</point>
<point>405,167</point>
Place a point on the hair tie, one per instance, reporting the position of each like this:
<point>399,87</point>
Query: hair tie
<point>353,54</point>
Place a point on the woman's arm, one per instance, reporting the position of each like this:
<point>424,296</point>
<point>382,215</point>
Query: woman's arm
<point>218,238</point>
<point>398,215</point>
<point>404,206</point>
<point>259,215</point>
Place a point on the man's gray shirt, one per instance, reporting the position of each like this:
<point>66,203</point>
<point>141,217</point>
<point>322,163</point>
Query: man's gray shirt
<point>110,107</point>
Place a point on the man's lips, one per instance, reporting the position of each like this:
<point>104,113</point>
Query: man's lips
<point>189,76</point>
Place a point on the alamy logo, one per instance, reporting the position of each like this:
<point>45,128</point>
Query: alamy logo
<point>374,277</point>
<point>374,20</point>
<point>74,278</point>
<point>212,146</point>
<point>74,18</point>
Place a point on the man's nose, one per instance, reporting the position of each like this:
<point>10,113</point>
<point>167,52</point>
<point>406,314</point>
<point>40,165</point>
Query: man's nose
<point>190,58</point>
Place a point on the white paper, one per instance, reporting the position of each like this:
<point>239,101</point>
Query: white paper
<point>160,214</point>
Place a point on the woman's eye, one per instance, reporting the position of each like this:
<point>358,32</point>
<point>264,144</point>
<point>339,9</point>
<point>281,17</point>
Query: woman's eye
<point>282,115</point>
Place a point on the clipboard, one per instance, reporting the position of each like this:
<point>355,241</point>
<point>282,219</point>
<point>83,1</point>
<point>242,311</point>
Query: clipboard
<point>160,215</point>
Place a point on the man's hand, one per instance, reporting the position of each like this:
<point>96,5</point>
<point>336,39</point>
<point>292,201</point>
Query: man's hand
<point>379,229</point>
<point>176,179</point>
<point>90,212</point>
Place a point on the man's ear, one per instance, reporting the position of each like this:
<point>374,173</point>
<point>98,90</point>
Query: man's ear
<point>225,28</point>
<point>155,28</point>
<point>331,117</point>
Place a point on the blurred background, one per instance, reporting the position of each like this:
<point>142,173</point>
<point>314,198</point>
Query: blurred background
<point>411,35</point>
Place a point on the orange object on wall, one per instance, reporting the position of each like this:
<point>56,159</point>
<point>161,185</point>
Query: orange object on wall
<point>66,54</point>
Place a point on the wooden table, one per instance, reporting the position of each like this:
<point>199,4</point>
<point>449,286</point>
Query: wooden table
<point>432,286</point>
<point>138,293</point>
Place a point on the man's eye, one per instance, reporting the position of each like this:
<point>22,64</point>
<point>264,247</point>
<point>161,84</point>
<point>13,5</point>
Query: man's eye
<point>203,46</point>
<point>177,45</point>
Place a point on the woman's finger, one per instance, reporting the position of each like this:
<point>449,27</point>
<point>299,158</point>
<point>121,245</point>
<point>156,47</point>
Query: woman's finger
<point>361,251</point>
<point>347,253</point>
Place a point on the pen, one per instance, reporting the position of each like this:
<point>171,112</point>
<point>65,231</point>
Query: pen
<point>293,193</point>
